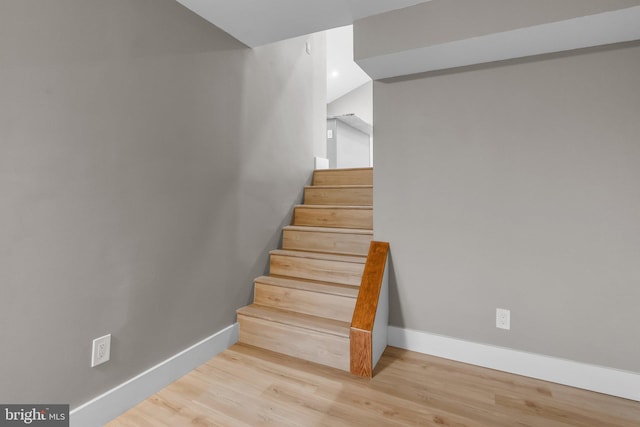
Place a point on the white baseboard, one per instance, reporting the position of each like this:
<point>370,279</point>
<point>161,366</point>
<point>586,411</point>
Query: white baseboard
<point>97,412</point>
<point>575,374</point>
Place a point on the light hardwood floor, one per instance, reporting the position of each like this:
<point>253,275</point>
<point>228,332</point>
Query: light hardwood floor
<point>247,386</point>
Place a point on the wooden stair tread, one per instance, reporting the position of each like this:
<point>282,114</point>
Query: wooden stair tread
<point>310,285</point>
<point>349,176</point>
<point>320,238</point>
<point>304,308</point>
<point>299,320</point>
<point>343,169</point>
<point>338,186</point>
<point>337,268</point>
<point>356,207</point>
<point>340,194</point>
<point>328,229</point>
<point>357,259</point>
<point>337,216</point>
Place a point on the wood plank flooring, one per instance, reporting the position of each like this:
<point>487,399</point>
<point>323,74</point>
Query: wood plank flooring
<point>247,386</point>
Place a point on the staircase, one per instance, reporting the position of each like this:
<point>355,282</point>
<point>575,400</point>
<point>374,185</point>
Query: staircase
<point>305,306</point>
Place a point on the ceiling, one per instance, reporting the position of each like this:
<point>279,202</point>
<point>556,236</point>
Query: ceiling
<point>259,22</point>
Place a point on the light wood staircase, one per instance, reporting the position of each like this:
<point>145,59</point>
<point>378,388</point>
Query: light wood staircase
<point>305,306</point>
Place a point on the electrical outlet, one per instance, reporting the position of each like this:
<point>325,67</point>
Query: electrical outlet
<point>503,318</point>
<point>101,350</point>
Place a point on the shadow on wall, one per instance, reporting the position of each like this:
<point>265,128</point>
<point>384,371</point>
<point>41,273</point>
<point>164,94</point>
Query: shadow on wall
<point>395,316</point>
<point>261,265</point>
<point>507,62</point>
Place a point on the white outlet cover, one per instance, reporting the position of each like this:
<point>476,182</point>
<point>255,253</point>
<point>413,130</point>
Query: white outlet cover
<point>101,350</point>
<point>503,318</point>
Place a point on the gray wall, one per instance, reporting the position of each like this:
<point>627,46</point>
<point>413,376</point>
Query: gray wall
<point>352,147</point>
<point>332,143</point>
<point>141,181</point>
<point>348,147</point>
<point>516,185</point>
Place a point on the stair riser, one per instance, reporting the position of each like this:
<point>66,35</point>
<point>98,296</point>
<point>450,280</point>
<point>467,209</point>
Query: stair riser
<point>331,217</point>
<point>329,350</point>
<point>343,177</point>
<point>340,243</point>
<point>339,196</point>
<point>314,303</point>
<point>347,273</point>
